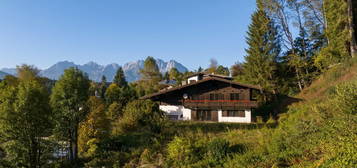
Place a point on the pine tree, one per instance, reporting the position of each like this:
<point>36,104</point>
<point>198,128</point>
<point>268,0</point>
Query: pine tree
<point>199,69</point>
<point>119,78</point>
<point>263,50</point>
<point>337,33</point>
<point>103,87</point>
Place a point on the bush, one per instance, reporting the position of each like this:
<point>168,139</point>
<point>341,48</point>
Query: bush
<point>140,114</point>
<point>346,97</point>
<point>180,150</point>
<point>217,149</point>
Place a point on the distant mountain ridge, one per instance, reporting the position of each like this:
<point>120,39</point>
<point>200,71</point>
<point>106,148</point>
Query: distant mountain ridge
<point>96,71</point>
<point>3,74</point>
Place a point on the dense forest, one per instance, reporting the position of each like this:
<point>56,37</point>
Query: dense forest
<point>302,49</point>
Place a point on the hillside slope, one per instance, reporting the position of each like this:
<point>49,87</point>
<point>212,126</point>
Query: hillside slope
<point>319,131</point>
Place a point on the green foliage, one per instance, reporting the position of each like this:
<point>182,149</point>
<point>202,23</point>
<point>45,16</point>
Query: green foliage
<point>25,123</point>
<point>139,114</point>
<point>102,87</point>
<point>150,76</point>
<point>116,98</point>
<point>346,97</point>
<point>180,150</point>
<point>114,111</point>
<point>119,78</point>
<point>336,33</point>
<point>150,70</point>
<point>94,128</point>
<point>27,72</point>
<point>221,70</point>
<point>217,149</point>
<point>236,70</point>
<point>174,74</point>
<point>68,101</point>
<point>260,62</point>
<point>113,93</point>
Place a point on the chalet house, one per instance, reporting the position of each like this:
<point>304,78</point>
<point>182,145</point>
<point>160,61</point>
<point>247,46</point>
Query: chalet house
<point>208,97</point>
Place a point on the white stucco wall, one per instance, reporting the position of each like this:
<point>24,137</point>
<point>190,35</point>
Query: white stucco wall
<point>195,78</point>
<point>246,119</point>
<point>177,110</point>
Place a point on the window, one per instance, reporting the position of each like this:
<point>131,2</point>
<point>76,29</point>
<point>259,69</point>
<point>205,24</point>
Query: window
<point>234,96</point>
<point>233,113</point>
<point>216,96</point>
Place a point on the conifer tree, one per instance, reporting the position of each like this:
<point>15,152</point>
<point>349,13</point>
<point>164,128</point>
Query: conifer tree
<point>200,69</point>
<point>119,78</point>
<point>260,62</point>
<point>103,87</point>
<point>337,33</point>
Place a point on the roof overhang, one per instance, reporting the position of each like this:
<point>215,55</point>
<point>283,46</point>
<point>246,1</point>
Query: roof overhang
<point>199,82</point>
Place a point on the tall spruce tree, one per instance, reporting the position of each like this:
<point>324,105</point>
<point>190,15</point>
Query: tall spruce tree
<point>119,78</point>
<point>103,87</point>
<point>264,48</point>
<point>337,33</point>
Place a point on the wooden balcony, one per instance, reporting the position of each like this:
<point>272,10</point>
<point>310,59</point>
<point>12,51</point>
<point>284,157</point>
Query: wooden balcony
<point>219,104</point>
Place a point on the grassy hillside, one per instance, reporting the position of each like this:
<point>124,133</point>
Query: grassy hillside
<point>319,131</point>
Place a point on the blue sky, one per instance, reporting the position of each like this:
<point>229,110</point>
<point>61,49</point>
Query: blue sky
<point>43,32</point>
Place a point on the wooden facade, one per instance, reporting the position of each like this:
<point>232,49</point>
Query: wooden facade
<point>209,95</point>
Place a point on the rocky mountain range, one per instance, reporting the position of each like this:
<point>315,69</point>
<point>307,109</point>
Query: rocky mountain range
<point>3,74</point>
<point>95,71</point>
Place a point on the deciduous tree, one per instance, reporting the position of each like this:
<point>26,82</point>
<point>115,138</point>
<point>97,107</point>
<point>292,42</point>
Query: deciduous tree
<point>68,100</point>
<point>25,123</point>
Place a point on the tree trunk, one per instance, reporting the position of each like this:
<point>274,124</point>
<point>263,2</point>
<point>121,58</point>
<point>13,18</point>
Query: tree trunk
<point>353,46</point>
<point>70,147</point>
<point>33,154</point>
<point>75,143</point>
<point>325,27</point>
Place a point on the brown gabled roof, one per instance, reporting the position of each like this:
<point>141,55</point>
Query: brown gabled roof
<point>210,75</point>
<point>198,82</point>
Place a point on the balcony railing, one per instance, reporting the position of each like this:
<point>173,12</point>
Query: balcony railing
<point>220,103</point>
